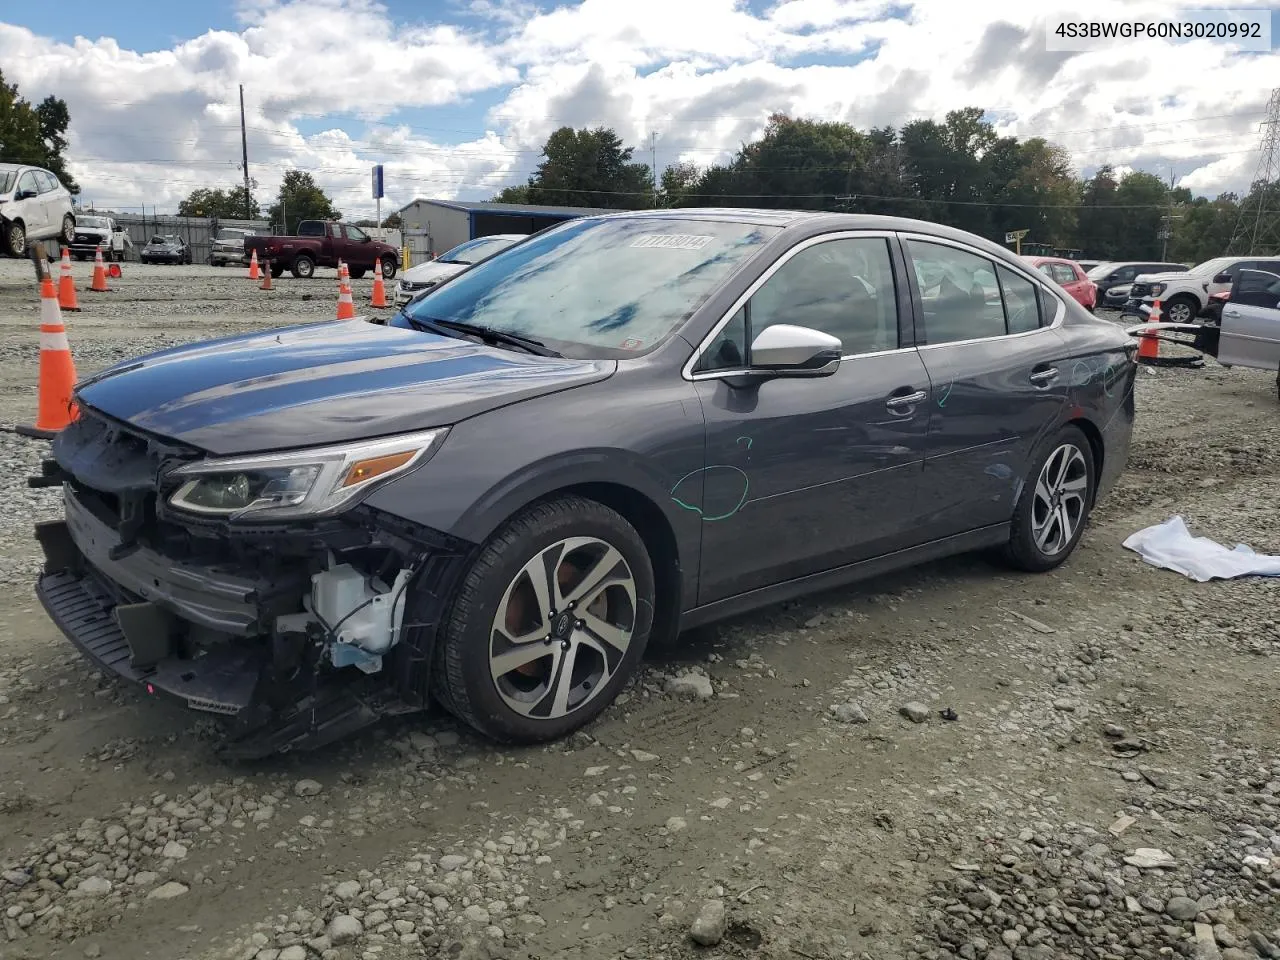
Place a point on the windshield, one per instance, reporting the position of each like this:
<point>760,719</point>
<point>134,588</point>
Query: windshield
<point>165,240</point>
<point>475,250</point>
<point>232,234</point>
<point>597,287</point>
<point>1101,270</point>
<point>95,222</point>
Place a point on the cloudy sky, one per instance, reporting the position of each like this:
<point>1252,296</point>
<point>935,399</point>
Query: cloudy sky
<point>455,97</point>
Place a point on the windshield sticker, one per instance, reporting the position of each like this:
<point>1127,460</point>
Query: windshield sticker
<point>672,241</point>
<point>632,343</point>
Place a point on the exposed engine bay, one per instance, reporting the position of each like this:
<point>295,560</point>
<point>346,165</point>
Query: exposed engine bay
<point>294,633</point>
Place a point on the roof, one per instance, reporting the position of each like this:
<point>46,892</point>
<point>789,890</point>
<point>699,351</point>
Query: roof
<point>512,209</point>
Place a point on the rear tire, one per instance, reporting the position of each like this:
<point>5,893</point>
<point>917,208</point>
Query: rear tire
<point>496,671</point>
<point>1055,503</point>
<point>68,231</point>
<point>304,268</point>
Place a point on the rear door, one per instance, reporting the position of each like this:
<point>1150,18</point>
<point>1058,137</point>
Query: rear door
<point>999,380</point>
<point>1065,276</point>
<point>1251,321</point>
<point>51,200</point>
<point>803,475</point>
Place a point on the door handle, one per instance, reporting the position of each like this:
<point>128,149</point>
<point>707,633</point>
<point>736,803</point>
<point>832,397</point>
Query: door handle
<point>906,400</point>
<point>1044,377</point>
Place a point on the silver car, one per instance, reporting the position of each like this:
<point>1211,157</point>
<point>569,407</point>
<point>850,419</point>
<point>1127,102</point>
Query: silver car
<point>450,263</point>
<point>34,205</point>
<point>1250,331</point>
<point>228,246</point>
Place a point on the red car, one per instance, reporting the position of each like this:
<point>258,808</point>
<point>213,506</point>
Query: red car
<point>1068,275</point>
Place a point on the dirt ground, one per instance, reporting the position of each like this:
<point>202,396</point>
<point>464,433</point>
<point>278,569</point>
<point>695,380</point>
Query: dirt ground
<point>1100,710</point>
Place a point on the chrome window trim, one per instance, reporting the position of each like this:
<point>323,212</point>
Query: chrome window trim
<point>687,371</point>
<point>1033,275</point>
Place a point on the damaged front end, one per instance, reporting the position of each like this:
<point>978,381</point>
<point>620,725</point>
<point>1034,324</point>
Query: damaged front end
<point>255,593</point>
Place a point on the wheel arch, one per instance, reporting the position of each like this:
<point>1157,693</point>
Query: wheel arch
<point>1097,447</point>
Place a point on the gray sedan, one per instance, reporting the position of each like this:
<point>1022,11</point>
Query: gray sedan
<point>622,427</point>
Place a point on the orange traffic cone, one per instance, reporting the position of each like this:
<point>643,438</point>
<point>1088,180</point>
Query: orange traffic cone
<point>99,284</point>
<point>57,370</point>
<point>1148,345</point>
<point>379,287</point>
<point>67,284</point>
<point>344,275</point>
<point>266,276</point>
<point>254,273</point>
<point>346,308</point>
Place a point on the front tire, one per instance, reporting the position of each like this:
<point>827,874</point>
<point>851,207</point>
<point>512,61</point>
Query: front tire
<point>1181,310</point>
<point>1053,508</point>
<point>548,624</point>
<point>15,239</point>
<point>388,267</point>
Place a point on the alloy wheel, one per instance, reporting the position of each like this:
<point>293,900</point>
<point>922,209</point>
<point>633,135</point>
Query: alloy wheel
<point>1059,507</point>
<point>1179,312</point>
<point>562,628</point>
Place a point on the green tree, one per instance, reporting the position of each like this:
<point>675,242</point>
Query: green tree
<point>1142,200</point>
<point>34,135</point>
<point>393,222</point>
<point>515,194</point>
<point>678,181</point>
<point>1040,196</point>
<point>300,199</point>
<point>215,202</point>
<point>1099,220</point>
<point>587,168</point>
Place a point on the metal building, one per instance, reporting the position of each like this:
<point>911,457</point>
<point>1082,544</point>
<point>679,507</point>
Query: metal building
<point>433,226</point>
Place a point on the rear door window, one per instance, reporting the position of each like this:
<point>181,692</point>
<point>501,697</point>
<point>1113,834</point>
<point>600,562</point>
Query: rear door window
<point>45,182</point>
<point>958,304</point>
<point>1062,273</point>
<point>1021,305</point>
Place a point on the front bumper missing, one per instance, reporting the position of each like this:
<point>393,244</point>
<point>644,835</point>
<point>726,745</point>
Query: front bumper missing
<point>204,635</point>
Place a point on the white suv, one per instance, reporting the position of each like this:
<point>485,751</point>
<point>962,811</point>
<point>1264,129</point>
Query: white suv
<point>1183,295</point>
<point>33,206</point>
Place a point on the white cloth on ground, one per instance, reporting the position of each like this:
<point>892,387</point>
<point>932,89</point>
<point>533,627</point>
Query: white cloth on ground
<point>1171,545</point>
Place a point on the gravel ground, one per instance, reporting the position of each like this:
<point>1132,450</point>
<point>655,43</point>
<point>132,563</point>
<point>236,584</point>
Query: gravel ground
<point>1105,782</point>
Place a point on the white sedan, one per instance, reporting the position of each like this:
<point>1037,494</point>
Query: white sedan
<point>426,275</point>
<point>33,206</point>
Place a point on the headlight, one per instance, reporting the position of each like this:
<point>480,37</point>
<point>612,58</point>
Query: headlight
<point>1157,289</point>
<point>300,483</point>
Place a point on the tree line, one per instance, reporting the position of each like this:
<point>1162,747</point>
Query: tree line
<point>959,172</point>
<point>34,133</point>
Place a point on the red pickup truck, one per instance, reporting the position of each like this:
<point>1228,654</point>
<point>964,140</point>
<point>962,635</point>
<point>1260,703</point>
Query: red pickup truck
<point>322,243</point>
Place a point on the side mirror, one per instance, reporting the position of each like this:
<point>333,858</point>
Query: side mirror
<point>1222,278</point>
<point>25,195</point>
<point>791,351</point>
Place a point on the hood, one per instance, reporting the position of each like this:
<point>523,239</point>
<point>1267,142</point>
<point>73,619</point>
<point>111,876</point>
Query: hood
<point>432,270</point>
<point>322,383</point>
<point>1160,277</point>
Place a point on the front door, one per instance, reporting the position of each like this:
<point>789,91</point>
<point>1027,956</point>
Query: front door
<point>31,209</point>
<point>1000,380</point>
<point>803,475</point>
<point>357,249</point>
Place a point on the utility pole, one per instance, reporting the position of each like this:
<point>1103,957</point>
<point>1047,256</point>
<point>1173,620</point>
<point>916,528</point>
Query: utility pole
<point>1168,221</point>
<point>244,151</point>
<point>653,169</point>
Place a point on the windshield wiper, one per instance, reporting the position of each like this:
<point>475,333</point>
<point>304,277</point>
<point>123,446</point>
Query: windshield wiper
<point>487,334</point>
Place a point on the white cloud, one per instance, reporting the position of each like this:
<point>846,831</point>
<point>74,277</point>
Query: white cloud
<point>703,76</point>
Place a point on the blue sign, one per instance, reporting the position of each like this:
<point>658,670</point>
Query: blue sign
<point>377,183</point>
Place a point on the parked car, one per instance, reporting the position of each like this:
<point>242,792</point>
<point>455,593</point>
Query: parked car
<point>94,232</point>
<point>1068,275</point>
<point>1248,332</point>
<point>1088,266</point>
<point>34,205</point>
<point>322,243</point>
<point>1113,280</point>
<point>228,247</point>
<point>1183,296</point>
<point>450,263</point>
<point>627,425</point>
<point>169,248</point>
